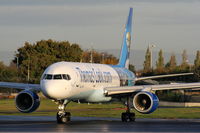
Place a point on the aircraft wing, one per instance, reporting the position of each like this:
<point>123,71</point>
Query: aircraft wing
<point>162,76</point>
<point>131,89</point>
<point>20,86</point>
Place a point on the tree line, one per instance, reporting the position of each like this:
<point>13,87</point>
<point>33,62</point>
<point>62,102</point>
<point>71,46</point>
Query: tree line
<point>171,66</point>
<point>32,59</point>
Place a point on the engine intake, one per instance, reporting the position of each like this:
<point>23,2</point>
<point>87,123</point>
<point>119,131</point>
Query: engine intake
<point>27,101</point>
<point>145,102</point>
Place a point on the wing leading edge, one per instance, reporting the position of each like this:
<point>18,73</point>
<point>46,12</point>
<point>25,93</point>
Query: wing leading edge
<point>131,89</point>
<point>20,86</point>
<point>163,76</point>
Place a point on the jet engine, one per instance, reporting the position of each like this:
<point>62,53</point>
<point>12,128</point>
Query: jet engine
<point>27,101</point>
<point>145,102</point>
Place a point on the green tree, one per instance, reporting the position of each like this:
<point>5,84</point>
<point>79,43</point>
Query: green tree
<point>38,56</point>
<point>184,64</point>
<point>2,71</point>
<point>197,60</point>
<point>160,61</point>
<point>108,59</point>
<point>103,58</point>
<point>132,68</point>
<point>86,56</point>
<point>8,73</point>
<point>172,62</point>
<point>147,61</point>
<point>197,66</point>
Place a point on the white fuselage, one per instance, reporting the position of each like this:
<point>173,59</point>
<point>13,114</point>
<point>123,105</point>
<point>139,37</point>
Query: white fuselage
<point>80,81</point>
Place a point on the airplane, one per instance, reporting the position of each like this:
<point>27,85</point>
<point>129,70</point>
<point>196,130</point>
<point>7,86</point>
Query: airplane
<point>64,82</point>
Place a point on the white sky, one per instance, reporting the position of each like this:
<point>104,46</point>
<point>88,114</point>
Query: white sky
<point>172,25</point>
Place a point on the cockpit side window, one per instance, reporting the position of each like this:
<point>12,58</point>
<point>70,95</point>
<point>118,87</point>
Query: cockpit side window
<point>44,76</point>
<point>66,76</point>
<point>57,76</point>
<point>48,76</point>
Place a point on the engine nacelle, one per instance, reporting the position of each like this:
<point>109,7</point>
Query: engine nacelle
<point>145,102</point>
<point>27,101</point>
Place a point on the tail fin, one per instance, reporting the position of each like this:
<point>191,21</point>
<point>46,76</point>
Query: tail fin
<point>125,50</point>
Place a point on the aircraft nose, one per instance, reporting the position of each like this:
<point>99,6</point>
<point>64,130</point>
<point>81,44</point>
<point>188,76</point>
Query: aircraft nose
<point>49,90</point>
<point>54,90</point>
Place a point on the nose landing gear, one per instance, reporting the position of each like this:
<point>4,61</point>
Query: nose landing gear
<point>62,116</point>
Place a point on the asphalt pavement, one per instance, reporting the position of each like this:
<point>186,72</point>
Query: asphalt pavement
<point>96,124</point>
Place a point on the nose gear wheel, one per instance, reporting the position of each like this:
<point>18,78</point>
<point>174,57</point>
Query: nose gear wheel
<point>63,116</point>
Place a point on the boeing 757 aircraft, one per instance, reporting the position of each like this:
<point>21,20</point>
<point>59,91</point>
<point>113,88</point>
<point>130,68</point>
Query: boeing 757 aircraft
<point>64,82</point>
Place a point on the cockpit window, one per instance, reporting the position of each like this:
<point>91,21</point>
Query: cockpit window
<point>66,76</point>
<point>48,76</point>
<point>57,76</point>
<point>44,76</point>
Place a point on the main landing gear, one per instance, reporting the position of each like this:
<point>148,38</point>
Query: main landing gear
<point>62,116</point>
<point>128,116</point>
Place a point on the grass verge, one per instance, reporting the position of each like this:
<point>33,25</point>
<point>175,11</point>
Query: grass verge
<point>49,108</point>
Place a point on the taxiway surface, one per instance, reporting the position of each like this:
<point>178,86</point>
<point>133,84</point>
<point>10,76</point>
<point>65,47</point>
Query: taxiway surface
<point>92,124</point>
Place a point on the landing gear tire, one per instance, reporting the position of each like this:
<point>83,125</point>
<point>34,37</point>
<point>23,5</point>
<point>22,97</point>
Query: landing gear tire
<point>131,117</point>
<point>63,118</point>
<point>128,117</point>
<point>124,117</point>
<point>58,117</point>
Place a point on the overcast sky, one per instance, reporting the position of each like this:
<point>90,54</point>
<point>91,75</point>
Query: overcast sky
<point>172,25</point>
